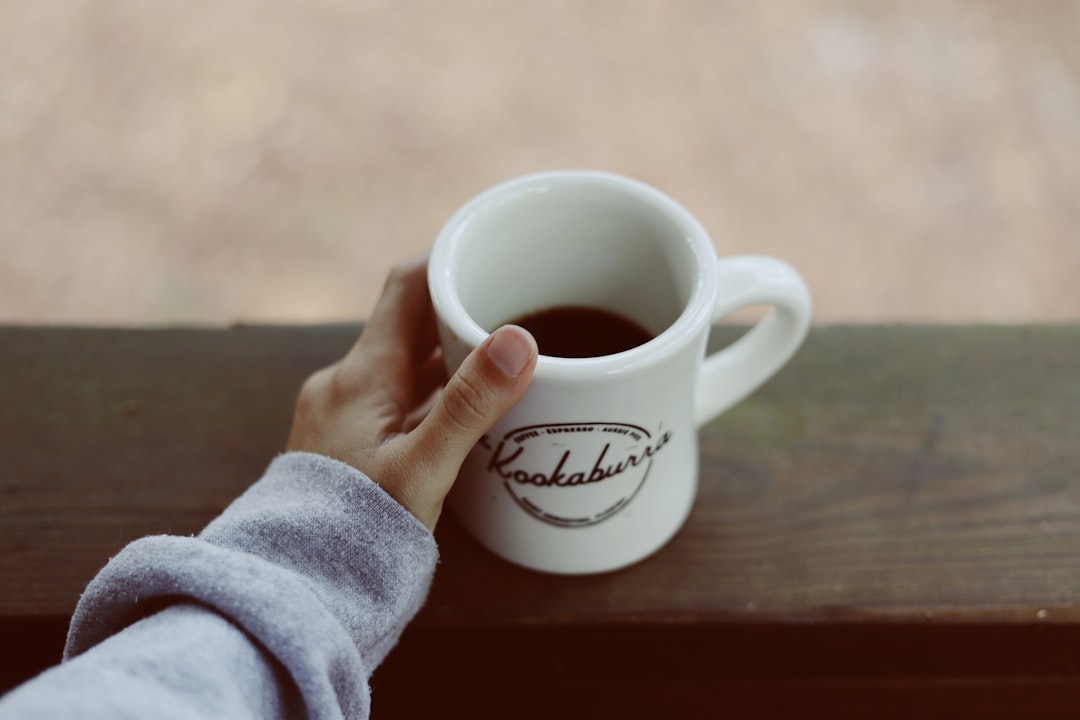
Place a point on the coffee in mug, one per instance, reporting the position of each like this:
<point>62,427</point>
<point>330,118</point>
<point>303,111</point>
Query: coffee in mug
<point>581,332</point>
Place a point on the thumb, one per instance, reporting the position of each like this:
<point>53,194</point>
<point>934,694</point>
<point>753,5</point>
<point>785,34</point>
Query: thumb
<point>489,382</point>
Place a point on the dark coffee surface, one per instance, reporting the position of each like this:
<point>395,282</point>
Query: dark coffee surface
<point>579,332</point>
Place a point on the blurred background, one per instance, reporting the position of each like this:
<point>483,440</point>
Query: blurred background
<point>269,161</point>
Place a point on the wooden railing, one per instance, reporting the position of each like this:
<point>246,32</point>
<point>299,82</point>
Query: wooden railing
<point>890,526</point>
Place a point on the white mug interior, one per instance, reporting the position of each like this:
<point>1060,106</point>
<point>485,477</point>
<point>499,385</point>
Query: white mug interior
<point>577,238</point>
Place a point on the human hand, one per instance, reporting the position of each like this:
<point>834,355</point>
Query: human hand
<point>382,409</point>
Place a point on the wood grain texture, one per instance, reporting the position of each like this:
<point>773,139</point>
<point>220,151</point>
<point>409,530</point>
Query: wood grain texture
<point>113,434</point>
<point>888,528</point>
<point>889,474</point>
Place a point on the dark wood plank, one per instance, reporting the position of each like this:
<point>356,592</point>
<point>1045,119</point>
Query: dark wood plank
<point>112,434</point>
<point>889,474</point>
<point>888,528</point>
<point>737,671</point>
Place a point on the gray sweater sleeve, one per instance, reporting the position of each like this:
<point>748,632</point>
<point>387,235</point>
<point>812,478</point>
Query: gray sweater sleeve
<point>282,607</point>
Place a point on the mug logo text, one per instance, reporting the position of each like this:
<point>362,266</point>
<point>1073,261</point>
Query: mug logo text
<point>575,474</point>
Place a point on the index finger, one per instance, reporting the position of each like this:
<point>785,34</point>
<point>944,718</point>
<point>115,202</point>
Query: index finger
<point>402,325</point>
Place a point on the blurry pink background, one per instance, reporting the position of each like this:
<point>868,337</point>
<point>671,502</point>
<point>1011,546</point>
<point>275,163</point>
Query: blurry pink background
<point>172,161</point>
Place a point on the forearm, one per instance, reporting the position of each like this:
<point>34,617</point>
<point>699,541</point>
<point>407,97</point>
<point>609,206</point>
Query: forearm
<point>314,565</point>
<point>185,661</point>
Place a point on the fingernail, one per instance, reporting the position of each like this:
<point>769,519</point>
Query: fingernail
<point>510,349</point>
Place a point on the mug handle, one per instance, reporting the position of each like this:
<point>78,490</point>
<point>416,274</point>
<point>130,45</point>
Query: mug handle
<point>729,375</point>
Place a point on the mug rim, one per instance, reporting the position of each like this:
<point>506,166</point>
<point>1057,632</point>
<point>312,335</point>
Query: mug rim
<point>696,314</point>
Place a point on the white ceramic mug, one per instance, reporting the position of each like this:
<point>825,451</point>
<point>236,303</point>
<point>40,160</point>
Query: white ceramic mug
<point>597,466</point>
